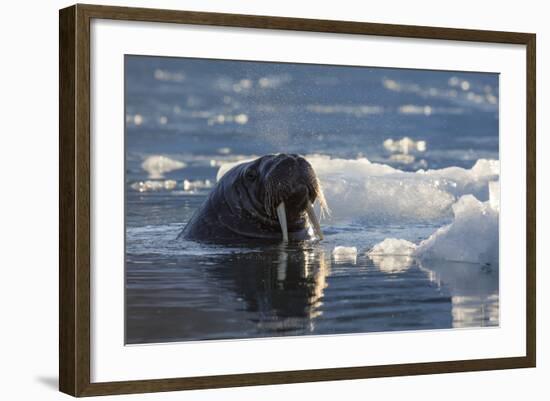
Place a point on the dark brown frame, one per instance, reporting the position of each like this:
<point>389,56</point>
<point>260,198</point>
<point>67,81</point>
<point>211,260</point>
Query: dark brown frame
<point>74,199</point>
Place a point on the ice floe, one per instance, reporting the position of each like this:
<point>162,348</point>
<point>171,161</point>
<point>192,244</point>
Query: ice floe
<point>393,246</point>
<point>404,145</point>
<point>158,165</point>
<point>344,254</point>
<point>473,235</point>
<point>151,185</point>
<point>361,189</point>
<point>392,255</point>
<point>188,186</point>
<point>193,185</point>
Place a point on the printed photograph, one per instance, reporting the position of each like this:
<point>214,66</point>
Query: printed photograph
<point>267,199</point>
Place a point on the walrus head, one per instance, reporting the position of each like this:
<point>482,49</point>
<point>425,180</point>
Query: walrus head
<point>282,189</point>
<point>270,198</point>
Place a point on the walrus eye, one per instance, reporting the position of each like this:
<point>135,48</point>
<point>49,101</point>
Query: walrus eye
<point>251,174</point>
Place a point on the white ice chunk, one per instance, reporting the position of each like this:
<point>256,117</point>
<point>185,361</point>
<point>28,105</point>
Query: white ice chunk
<point>158,165</point>
<point>345,254</point>
<point>486,168</point>
<point>169,185</point>
<point>361,189</point>
<point>393,246</point>
<point>392,255</point>
<point>193,185</point>
<point>473,236</point>
<point>406,145</point>
<point>494,195</point>
<point>150,185</point>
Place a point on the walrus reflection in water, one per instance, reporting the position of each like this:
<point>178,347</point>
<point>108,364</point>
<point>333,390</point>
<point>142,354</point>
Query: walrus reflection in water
<point>270,198</point>
<point>283,286</point>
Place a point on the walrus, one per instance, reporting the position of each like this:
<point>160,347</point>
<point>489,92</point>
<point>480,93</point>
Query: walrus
<point>270,198</point>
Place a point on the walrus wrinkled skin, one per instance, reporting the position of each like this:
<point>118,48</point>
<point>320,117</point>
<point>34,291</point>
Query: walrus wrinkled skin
<point>269,198</point>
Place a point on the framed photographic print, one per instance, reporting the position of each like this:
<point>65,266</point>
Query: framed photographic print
<point>251,200</point>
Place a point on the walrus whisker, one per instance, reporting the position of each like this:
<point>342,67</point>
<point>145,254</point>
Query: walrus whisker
<point>270,201</point>
<point>324,209</point>
<point>281,214</point>
<point>314,221</point>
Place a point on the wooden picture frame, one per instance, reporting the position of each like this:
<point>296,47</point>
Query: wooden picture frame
<point>74,199</point>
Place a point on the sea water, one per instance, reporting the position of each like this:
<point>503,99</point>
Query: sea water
<point>408,161</point>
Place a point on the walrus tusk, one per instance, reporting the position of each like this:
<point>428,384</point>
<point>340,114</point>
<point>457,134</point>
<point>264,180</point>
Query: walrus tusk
<point>314,221</point>
<point>281,214</point>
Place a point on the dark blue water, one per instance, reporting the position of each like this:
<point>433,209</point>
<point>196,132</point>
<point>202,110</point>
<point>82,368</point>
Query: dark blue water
<point>201,114</point>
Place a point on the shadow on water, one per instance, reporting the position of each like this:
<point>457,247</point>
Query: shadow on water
<point>298,290</point>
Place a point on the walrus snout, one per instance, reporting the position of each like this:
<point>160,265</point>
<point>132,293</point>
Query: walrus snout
<point>291,189</point>
<point>290,179</point>
<point>296,201</point>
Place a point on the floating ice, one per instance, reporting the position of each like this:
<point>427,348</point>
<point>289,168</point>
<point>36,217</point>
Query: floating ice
<point>472,237</point>
<point>393,246</point>
<point>392,263</point>
<point>460,181</point>
<point>405,145</point>
<point>361,189</point>
<point>494,195</point>
<point>157,165</point>
<point>194,185</point>
<point>345,254</point>
<point>392,255</point>
<point>169,185</point>
<point>150,185</point>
